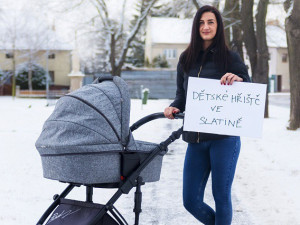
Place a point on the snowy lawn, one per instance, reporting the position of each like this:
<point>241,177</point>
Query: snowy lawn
<point>266,188</point>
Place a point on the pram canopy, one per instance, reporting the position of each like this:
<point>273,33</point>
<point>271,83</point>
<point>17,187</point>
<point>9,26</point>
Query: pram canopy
<point>82,139</point>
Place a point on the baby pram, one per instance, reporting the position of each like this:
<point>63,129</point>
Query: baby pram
<point>87,142</point>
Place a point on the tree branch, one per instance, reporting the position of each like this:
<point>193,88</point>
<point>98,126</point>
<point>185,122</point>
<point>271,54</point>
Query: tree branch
<point>105,20</point>
<point>216,3</point>
<point>120,30</point>
<point>197,5</point>
<point>133,33</point>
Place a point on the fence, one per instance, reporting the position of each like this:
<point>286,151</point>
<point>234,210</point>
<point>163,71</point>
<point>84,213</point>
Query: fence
<point>161,83</point>
<point>52,94</point>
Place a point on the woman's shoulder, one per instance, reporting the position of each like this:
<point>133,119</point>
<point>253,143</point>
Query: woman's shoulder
<point>182,57</point>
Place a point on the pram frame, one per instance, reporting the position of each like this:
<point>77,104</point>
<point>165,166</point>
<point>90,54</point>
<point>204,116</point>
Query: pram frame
<point>133,180</point>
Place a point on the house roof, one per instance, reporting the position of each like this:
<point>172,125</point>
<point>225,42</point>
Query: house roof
<point>170,30</point>
<point>276,36</point>
<point>178,31</point>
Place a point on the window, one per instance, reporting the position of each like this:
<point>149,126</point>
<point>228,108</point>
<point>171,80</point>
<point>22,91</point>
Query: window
<point>51,76</point>
<point>9,55</point>
<point>284,57</point>
<point>170,53</point>
<point>51,56</point>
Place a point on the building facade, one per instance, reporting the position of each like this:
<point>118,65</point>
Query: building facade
<point>166,37</point>
<point>59,63</point>
<point>279,72</point>
<point>53,56</point>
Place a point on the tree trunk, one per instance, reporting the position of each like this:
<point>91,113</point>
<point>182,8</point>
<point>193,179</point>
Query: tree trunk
<point>237,36</point>
<point>196,4</point>
<point>113,54</point>
<point>256,44</point>
<point>292,26</point>
<point>14,72</point>
<point>227,14</point>
<point>262,71</point>
<point>30,77</point>
<point>249,34</point>
<point>116,66</point>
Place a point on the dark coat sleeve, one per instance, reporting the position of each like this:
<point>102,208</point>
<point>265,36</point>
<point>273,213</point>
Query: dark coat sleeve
<point>238,67</point>
<point>180,98</point>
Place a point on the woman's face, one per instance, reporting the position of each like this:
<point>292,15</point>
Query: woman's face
<point>208,26</point>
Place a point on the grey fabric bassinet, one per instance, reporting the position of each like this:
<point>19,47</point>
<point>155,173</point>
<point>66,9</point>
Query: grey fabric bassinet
<point>83,139</point>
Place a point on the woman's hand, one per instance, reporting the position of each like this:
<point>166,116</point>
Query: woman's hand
<point>169,112</point>
<point>229,78</point>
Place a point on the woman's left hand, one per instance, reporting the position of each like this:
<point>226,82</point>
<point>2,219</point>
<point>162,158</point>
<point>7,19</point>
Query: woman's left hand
<point>229,78</point>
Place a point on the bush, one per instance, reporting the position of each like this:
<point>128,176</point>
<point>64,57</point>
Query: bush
<point>38,77</point>
<point>160,62</point>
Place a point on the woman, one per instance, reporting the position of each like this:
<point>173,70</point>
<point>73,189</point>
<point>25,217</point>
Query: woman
<point>207,56</point>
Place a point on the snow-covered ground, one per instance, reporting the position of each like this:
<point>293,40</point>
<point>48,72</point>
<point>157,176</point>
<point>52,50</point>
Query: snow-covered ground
<point>266,187</point>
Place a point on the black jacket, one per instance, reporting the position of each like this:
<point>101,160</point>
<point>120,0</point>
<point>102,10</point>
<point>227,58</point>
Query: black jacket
<point>209,70</point>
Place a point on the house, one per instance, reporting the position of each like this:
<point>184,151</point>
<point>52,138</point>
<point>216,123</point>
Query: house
<point>279,60</point>
<point>50,53</point>
<point>166,37</point>
<point>169,37</point>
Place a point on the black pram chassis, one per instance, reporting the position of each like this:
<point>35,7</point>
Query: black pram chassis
<point>133,180</point>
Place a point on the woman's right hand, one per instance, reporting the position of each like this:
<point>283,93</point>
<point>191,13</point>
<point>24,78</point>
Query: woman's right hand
<point>169,112</point>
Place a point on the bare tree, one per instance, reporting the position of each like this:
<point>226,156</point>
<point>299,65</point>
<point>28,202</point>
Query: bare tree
<point>262,71</point>
<point>115,32</point>
<point>35,39</point>
<point>23,37</point>
<point>117,36</point>
<point>10,34</point>
<point>232,25</point>
<point>292,26</point>
<point>256,41</point>
<point>227,14</point>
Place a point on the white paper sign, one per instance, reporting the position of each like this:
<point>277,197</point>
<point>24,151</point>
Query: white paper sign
<point>236,109</point>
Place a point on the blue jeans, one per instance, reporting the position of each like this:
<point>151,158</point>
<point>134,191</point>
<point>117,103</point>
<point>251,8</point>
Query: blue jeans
<point>220,158</point>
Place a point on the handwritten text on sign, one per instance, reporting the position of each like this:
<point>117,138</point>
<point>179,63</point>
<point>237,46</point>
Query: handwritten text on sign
<point>236,109</point>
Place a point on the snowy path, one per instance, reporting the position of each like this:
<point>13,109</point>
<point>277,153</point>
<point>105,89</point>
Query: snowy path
<point>265,191</point>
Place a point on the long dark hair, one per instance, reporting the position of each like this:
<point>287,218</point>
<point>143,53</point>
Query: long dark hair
<point>189,56</point>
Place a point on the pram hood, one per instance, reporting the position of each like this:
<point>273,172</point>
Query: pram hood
<point>94,117</point>
<point>85,137</point>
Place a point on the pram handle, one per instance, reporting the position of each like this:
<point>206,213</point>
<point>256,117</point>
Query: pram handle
<point>103,77</point>
<point>151,117</point>
<point>178,115</point>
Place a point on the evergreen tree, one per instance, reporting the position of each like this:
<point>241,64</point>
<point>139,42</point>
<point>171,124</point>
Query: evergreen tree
<point>38,77</point>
